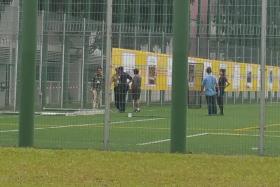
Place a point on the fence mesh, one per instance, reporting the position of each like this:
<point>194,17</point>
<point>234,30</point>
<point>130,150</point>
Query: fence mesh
<point>70,99</point>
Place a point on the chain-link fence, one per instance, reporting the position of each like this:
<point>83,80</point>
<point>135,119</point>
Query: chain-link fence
<point>70,94</point>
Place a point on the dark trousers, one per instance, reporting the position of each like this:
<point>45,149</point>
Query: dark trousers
<point>211,103</point>
<point>116,97</point>
<point>220,101</point>
<point>122,99</point>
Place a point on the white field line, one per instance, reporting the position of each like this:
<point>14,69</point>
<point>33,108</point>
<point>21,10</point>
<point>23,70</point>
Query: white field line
<point>233,134</point>
<point>13,130</point>
<point>86,125</point>
<point>204,134</point>
<point>167,140</point>
<point>246,135</point>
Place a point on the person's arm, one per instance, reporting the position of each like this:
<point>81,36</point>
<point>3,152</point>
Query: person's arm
<point>202,87</point>
<point>132,83</point>
<point>227,83</point>
<point>129,78</point>
<point>202,90</point>
<point>115,80</point>
<point>217,88</point>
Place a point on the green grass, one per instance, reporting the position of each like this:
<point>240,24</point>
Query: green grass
<point>233,134</point>
<point>28,167</point>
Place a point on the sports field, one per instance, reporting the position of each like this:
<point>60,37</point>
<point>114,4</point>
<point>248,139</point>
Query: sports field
<point>95,168</point>
<point>149,131</point>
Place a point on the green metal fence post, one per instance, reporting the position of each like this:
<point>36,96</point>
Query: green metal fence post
<point>86,51</point>
<point>263,79</point>
<point>121,21</point>
<point>152,15</point>
<point>179,78</point>
<point>27,94</point>
<point>198,28</point>
<point>107,116</point>
<point>45,41</point>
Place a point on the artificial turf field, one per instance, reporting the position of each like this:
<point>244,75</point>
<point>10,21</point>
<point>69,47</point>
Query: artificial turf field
<point>234,133</point>
<point>29,167</point>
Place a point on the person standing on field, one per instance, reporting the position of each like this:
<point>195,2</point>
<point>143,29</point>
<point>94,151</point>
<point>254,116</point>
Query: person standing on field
<point>136,90</point>
<point>222,83</point>
<point>115,80</point>
<point>97,85</point>
<point>209,85</point>
<point>123,87</point>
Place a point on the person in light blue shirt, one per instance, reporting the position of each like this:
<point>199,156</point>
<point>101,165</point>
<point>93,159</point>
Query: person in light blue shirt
<point>209,86</point>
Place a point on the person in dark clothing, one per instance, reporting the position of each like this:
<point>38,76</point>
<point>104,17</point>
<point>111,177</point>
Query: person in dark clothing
<point>123,87</point>
<point>222,84</point>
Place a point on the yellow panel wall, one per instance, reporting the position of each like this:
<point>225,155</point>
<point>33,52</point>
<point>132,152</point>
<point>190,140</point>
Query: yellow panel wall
<point>156,75</point>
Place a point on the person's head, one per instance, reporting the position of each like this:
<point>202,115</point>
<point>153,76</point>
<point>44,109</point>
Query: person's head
<point>222,72</point>
<point>136,71</point>
<point>117,70</point>
<point>209,70</point>
<point>99,70</point>
<point>121,69</point>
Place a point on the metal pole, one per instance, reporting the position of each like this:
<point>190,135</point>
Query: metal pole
<point>120,36</point>
<point>227,51</point>
<point>277,58</point>
<point>16,63</point>
<point>63,63</point>
<point>218,53</point>
<point>178,110</point>
<point>235,52</point>
<point>89,4</point>
<point>102,53</point>
<point>226,97</point>
<point>83,64</point>
<point>263,82</point>
<point>198,28</point>
<point>234,97</point>
<point>122,15</point>
<point>41,58</point>
<point>251,62</point>
<point>148,97</point>
<point>162,43</point>
<point>135,38</point>
<point>258,87</point>
<point>8,82</point>
<point>45,53</point>
<point>271,90</point>
<point>149,42</point>
<point>26,118</point>
<point>208,48</point>
<point>152,14</point>
<point>102,41</point>
<point>108,75</point>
